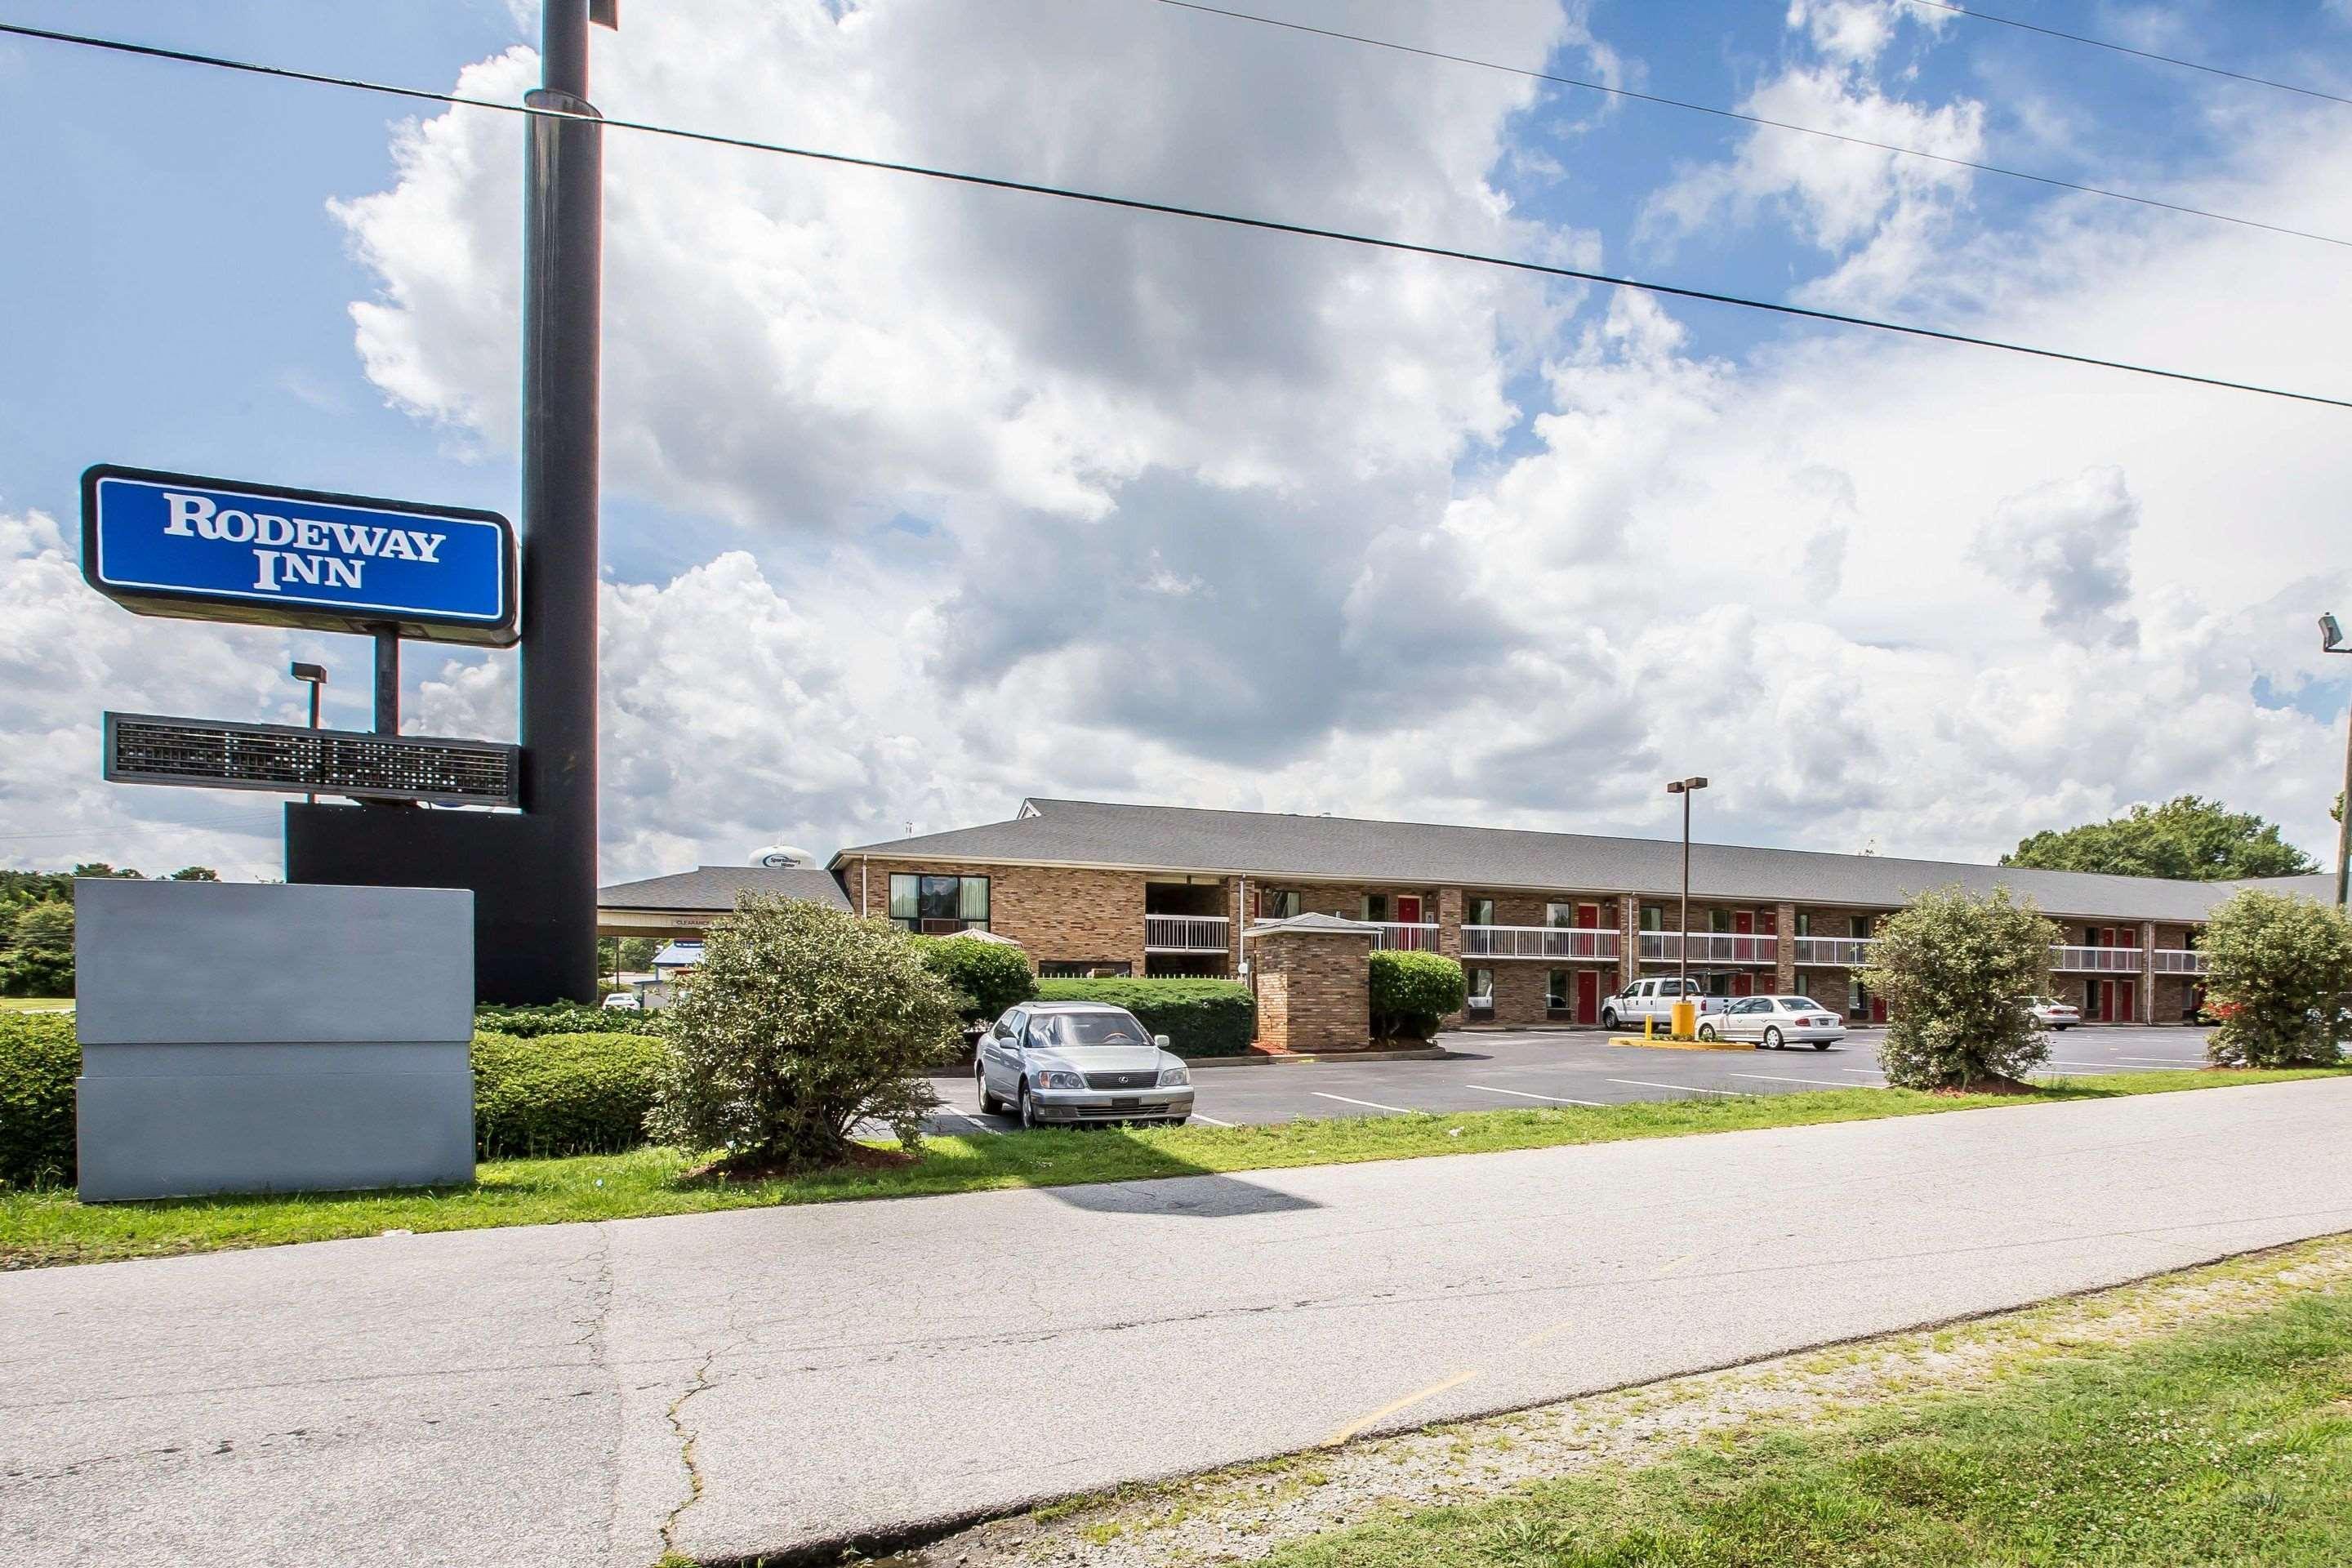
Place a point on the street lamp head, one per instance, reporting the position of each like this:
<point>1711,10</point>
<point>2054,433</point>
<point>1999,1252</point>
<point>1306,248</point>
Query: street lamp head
<point>1674,786</point>
<point>316,674</point>
<point>1694,784</point>
<point>2331,635</point>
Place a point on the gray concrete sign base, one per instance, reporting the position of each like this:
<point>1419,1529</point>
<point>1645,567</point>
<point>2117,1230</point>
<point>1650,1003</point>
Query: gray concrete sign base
<point>756,1379</point>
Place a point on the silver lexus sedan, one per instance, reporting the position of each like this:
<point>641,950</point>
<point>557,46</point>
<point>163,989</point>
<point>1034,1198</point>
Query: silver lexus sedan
<point>1079,1061</point>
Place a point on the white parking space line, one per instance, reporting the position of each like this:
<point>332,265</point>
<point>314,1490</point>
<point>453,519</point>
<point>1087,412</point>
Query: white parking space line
<point>1777,1077</point>
<point>1210,1120</point>
<point>1865,1072</point>
<point>1523,1094</point>
<point>1685,1088</point>
<point>2171,1061</point>
<point>1376,1105</point>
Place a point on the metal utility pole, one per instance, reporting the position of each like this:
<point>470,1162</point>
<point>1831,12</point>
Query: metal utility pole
<point>2331,641</point>
<point>1685,788</point>
<point>563,284</point>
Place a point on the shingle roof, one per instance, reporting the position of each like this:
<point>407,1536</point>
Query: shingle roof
<point>714,887</point>
<point>1267,844</point>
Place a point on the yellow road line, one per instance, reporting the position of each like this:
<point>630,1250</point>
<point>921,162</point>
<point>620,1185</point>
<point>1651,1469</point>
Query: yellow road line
<point>1385,1411</point>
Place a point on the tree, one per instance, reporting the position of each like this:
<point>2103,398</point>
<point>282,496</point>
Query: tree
<point>195,874</point>
<point>100,869</point>
<point>2188,837</point>
<point>987,976</point>
<point>1957,971</point>
<point>1412,992</point>
<point>2276,968</point>
<point>800,1023</point>
<point>38,958</point>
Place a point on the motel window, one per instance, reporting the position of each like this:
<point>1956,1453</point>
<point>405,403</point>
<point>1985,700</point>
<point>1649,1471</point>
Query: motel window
<point>1277,904</point>
<point>921,903</point>
<point>1481,990</point>
<point>1653,917</point>
<point>1482,912</point>
<point>1559,917</point>
<point>1719,919</point>
<point>1556,996</point>
<point>1804,924</point>
<point>1376,906</point>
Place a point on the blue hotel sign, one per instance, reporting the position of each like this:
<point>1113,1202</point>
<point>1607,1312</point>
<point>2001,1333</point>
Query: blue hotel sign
<point>218,550</point>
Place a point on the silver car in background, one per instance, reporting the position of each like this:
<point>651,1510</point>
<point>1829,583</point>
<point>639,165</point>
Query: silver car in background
<point>2054,1014</point>
<point>1775,1021</point>
<point>1067,1062</point>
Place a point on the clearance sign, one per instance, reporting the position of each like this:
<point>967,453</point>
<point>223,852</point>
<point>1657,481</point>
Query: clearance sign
<point>175,544</point>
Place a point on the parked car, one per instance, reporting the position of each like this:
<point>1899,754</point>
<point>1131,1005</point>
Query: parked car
<point>1079,1061</point>
<point>1776,1021</point>
<point>624,1002</point>
<point>1653,999</point>
<point>2054,1014</point>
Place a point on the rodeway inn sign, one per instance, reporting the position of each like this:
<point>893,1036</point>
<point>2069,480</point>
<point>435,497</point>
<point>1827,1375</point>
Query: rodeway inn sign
<point>174,544</point>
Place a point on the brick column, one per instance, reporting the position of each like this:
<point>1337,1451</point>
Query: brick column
<point>1629,939</point>
<point>1314,983</point>
<point>1449,922</point>
<point>2145,1012</point>
<point>1235,919</point>
<point>1784,948</point>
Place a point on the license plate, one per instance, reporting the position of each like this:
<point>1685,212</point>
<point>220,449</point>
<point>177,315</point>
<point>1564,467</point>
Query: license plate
<point>1126,1105</point>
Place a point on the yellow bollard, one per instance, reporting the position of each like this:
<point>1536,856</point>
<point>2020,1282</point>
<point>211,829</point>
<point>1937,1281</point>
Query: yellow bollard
<point>1649,1027</point>
<point>1685,1019</point>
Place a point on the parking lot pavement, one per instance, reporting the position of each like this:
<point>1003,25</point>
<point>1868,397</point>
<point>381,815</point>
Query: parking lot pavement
<point>1489,1069</point>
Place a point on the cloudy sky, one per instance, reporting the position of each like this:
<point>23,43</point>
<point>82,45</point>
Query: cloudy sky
<point>920,498</point>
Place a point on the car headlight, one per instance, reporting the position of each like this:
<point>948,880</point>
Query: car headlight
<point>1048,1078</point>
<point>1174,1078</point>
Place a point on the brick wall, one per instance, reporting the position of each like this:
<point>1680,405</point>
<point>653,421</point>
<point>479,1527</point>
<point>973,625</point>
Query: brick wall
<point>1314,990</point>
<point>1054,913</point>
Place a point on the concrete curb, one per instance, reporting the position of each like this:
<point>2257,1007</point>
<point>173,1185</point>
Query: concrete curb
<point>1433,1054</point>
<point>1638,1043</point>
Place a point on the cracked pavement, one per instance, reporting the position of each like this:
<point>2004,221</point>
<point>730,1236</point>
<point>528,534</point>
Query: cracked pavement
<point>761,1379</point>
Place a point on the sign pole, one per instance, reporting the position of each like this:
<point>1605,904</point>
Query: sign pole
<point>562,241</point>
<point>387,682</point>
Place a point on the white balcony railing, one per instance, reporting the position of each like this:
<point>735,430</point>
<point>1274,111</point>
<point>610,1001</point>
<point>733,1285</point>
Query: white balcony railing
<point>1834,952</point>
<point>2178,961</point>
<point>1185,934</point>
<point>1574,944</point>
<point>1400,936</point>
<point>2094,959</point>
<point>1709,947</point>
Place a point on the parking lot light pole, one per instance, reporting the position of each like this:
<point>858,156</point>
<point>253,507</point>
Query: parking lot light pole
<point>1685,788</point>
<point>2331,641</point>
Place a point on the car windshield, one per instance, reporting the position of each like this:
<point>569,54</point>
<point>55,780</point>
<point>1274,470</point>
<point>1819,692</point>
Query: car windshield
<point>1074,1031</point>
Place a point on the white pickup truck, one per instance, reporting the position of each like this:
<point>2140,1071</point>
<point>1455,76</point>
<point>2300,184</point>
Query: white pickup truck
<point>1653,999</point>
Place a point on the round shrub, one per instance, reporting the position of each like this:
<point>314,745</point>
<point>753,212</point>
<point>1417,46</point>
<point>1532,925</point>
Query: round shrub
<point>2276,968</point>
<point>801,1022</point>
<point>562,1094</point>
<point>39,1058</point>
<point>1200,1017</point>
<point>987,976</point>
<point>1412,992</point>
<point>1957,971</point>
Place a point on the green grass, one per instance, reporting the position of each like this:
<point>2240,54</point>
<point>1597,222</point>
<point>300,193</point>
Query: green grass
<point>35,1003</point>
<point>53,1226</point>
<point>2227,1444</point>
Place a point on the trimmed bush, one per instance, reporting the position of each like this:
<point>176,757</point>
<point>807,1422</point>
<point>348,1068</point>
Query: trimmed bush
<point>2276,968</point>
<point>801,1022</point>
<point>562,1094</point>
<point>1200,1017</point>
<point>38,1060</point>
<point>1412,991</point>
<point>563,1018</point>
<point>1957,971</point>
<point>988,976</point>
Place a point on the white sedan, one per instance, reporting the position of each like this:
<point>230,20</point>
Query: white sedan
<point>2053,1013</point>
<point>1775,1021</point>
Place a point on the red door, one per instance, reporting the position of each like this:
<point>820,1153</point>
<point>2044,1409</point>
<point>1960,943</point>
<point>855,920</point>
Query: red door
<point>1408,909</point>
<point>1587,997</point>
<point>1743,924</point>
<point>1743,983</point>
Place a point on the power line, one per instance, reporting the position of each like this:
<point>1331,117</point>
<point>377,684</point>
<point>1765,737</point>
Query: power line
<point>1765,121</point>
<point>2127,49</point>
<point>1168,209</point>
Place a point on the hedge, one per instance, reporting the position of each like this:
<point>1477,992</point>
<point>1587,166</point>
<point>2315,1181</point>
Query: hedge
<point>988,976</point>
<point>556,1094</point>
<point>1412,991</point>
<point>1200,1017</point>
<point>564,1018</point>
<point>562,1094</point>
<point>39,1058</point>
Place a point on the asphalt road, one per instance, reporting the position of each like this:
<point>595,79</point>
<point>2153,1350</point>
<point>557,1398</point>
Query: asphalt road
<point>1493,1068</point>
<point>766,1378</point>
